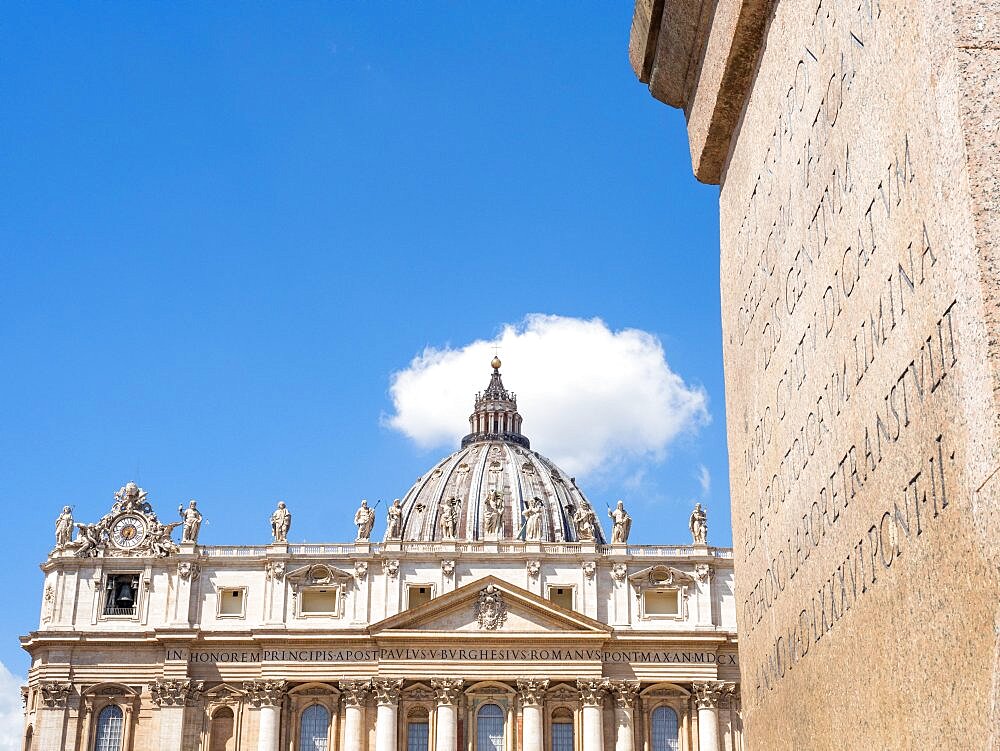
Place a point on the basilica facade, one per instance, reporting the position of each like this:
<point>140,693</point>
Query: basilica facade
<point>494,615</point>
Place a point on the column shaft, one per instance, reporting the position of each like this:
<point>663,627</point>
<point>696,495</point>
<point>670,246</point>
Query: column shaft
<point>171,728</point>
<point>531,727</point>
<point>708,728</point>
<point>352,728</point>
<point>49,730</point>
<point>267,736</point>
<point>593,728</point>
<point>447,728</point>
<point>625,735</point>
<point>385,728</point>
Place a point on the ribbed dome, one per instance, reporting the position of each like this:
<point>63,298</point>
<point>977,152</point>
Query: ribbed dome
<point>494,459</point>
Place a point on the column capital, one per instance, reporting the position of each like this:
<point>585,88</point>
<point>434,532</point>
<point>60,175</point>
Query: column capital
<point>387,690</point>
<point>55,694</point>
<point>532,690</point>
<point>447,690</point>
<point>707,694</point>
<point>265,693</point>
<point>624,693</point>
<point>355,693</point>
<point>175,693</point>
<point>592,690</point>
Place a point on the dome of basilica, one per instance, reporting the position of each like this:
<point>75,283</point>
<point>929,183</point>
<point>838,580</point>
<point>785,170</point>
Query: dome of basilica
<point>495,487</point>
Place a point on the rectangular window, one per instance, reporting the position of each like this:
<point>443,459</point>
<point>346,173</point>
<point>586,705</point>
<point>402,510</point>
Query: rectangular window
<point>319,601</point>
<point>561,596</point>
<point>661,602</point>
<point>418,595</point>
<point>417,736</point>
<point>121,594</point>
<point>232,602</point>
<point>562,736</point>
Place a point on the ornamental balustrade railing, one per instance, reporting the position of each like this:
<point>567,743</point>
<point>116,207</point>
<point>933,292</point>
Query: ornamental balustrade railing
<point>350,550</point>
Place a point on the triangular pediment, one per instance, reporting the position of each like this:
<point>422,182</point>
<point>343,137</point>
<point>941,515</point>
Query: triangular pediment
<point>489,606</point>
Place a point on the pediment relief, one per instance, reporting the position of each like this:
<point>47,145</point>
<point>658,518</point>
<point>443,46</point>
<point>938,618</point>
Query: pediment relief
<point>223,694</point>
<point>319,574</point>
<point>562,692</point>
<point>111,689</point>
<point>490,606</point>
<point>660,576</point>
<point>418,692</point>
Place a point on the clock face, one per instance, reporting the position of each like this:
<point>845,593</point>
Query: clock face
<point>128,531</point>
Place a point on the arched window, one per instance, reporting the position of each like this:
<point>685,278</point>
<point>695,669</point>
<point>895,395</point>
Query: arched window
<point>489,728</point>
<point>222,735</point>
<point>417,730</point>
<point>665,730</point>
<point>315,729</point>
<point>109,729</point>
<point>562,730</point>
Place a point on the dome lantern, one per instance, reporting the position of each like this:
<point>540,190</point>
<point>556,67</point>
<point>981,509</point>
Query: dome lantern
<point>495,416</point>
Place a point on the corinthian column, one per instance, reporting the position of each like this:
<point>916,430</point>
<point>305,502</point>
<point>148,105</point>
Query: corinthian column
<point>387,696</point>
<point>355,694</point>
<point>51,723</point>
<point>531,690</point>
<point>171,697</point>
<point>707,697</point>
<point>267,696</point>
<point>447,691</point>
<point>592,698</point>
<point>624,693</point>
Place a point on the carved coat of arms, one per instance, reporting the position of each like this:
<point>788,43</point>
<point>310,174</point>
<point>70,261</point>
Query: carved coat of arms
<point>491,611</point>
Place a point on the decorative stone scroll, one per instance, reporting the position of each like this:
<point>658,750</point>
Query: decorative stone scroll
<point>390,568</point>
<point>491,610</point>
<point>55,694</point>
<point>265,693</point>
<point>188,571</point>
<point>703,572</point>
<point>176,693</point>
<point>448,568</point>
<point>447,690</point>
<point>534,568</point>
<point>589,569</point>
<point>275,570</point>
<point>592,690</point>
<point>355,693</point>
<point>360,570</point>
<point>618,572</point>
<point>532,690</point>
<point>624,693</point>
<point>387,690</point>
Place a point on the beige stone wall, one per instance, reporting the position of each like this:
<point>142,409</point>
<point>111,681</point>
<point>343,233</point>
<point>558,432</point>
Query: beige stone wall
<point>859,273</point>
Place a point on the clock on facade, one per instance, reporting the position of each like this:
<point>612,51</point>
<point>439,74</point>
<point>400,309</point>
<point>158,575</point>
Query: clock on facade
<point>128,531</point>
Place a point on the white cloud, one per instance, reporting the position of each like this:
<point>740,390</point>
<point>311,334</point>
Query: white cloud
<point>11,711</point>
<point>704,479</point>
<point>590,397</point>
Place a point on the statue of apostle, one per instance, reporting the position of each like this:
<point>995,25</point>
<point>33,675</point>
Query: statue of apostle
<point>191,519</point>
<point>621,523</point>
<point>699,525</point>
<point>586,522</point>
<point>449,518</point>
<point>64,528</point>
<point>493,523</point>
<point>364,518</point>
<point>281,522</point>
<point>394,521</point>
<point>533,519</point>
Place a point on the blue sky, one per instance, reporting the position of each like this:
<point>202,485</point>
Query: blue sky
<point>224,227</point>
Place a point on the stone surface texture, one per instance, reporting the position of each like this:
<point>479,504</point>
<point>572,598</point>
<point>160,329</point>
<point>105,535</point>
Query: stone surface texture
<point>857,145</point>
